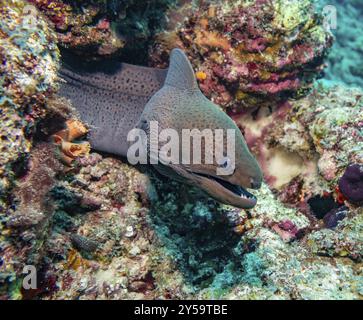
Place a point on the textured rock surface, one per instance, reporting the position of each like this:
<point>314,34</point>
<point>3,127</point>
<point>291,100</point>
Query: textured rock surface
<point>28,75</point>
<point>144,240</point>
<point>248,53</point>
<point>97,29</point>
<point>29,61</point>
<point>316,137</point>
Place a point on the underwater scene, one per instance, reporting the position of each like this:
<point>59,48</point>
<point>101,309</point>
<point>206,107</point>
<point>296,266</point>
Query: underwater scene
<point>181,149</point>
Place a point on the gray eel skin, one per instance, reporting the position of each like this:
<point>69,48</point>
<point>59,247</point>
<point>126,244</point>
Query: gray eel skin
<point>115,101</point>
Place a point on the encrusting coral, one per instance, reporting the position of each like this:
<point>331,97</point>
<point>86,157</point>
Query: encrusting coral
<point>248,53</point>
<point>96,29</point>
<point>30,111</point>
<point>28,76</point>
<point>82,31</point>
<point>318,137</point>
<point>28,220</point>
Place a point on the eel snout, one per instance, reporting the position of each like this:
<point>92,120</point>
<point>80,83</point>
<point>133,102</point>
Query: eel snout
<point>226,192</point>
<point>222,190</point>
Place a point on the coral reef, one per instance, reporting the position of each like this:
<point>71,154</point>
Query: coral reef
<point>143,240</point>
<point>344,241</point>
<point>108,250</point>
<point>97,29</point>
<point>97,228</point>
<point>80,29</point>
<point>30,112</point>
<point>28,76</point>
<point>248,53</point>
<point>317,137</point>
<point>27,220</point>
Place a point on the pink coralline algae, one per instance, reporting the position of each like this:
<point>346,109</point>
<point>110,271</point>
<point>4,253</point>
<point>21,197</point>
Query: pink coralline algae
<point>86,32</point>
<point>58,12</point>
<point>251,52</point>
<point>287,230</point>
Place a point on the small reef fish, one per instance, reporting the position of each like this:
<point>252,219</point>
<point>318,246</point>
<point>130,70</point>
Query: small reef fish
<point>113,100</point>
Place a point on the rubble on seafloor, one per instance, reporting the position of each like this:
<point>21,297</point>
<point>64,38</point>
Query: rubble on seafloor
<point>119,233</point>
<point>98,228</point>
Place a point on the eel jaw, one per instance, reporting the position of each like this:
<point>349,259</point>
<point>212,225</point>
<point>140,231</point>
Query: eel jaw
<point>225,191</point>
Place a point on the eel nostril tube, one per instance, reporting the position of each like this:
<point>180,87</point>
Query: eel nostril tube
<point>255,184</point>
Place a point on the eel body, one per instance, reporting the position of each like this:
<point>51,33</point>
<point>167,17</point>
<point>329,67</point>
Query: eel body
<point>111,104</point>
<point>113,101</point>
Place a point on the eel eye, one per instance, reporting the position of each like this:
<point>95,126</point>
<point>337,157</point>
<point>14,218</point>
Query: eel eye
<point>143,125</point>
<point>226,163</point>
<point>226,166</point>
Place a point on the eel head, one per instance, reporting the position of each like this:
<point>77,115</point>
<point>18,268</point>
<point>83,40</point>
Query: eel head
<point>180,105</point>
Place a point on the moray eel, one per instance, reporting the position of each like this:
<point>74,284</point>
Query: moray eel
<point>115,100</point>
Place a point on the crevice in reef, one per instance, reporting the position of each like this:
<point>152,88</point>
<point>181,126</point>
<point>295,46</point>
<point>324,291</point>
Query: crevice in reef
<point>197,235</point>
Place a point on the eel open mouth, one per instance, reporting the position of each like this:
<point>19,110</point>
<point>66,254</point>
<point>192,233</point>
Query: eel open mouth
<point>235,194</point>
<point>238,190</point>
